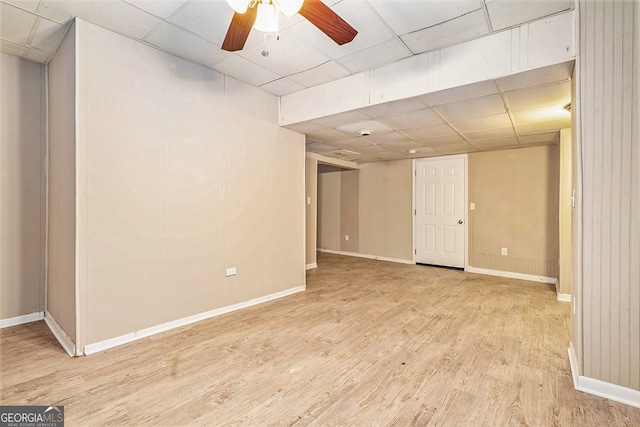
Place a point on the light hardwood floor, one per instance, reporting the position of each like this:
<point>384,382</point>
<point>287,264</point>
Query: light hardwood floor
<point>369,343</point>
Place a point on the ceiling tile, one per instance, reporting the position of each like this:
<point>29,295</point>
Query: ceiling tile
<point>15,24</point>
<point>541,114</point>
<point>56,12</point>
<point>320,148</point>
<point>482,123</point>
<point>391,138</point>
<point>245,70</point>
<point>394,108</point>
<point>114,15</point>
<point>337,120</point>
<point>176,41</point>
<point>389,155</point>
<point>289,55</point>
<point>470,108</point>
<point>375,56</point>
<point>422,152</point>
<point>283,86</point>
<point>374,126</point>
<point>540,138</point>
<point>508,13</point>
<point>454,31</point>
<point>30,5</point>
<point>163,9</point>
<point>443,140</point>
<point>509,142</point>
<point>38,55</point>
<point>543,127</point>
<point>413,120</point>
<point>323,73</point>
<point>371,29</point>
<point>489,134</point>
<point>12,48</point>
<point>208,19</point>
<point>444,150</point>
<point>356,144</point>
<point>460,93</point>
<point>416,15</point>
<point>430,132</point>
<point>452,147</point>
<point>48,35</point>
<point>403,145</point>
<point>328,135</point>
<point>554,94</point>
<point>537,77</point>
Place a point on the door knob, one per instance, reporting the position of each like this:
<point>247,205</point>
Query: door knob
<point>459,221</point>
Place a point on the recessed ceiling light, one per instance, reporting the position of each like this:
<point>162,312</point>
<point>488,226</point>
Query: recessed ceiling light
<point>412,151</point>
<point>364,132</point>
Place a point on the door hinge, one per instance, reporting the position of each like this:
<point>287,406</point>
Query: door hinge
<point>415,252</point>
<point>415,212</point>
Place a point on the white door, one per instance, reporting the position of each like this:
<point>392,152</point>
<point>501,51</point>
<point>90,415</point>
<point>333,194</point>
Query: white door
<point>439,214</point>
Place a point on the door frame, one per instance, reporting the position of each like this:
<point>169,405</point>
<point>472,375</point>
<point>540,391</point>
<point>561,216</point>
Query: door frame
<point>465,158</point>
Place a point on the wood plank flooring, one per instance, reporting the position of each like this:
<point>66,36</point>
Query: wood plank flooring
<point>370,343</point>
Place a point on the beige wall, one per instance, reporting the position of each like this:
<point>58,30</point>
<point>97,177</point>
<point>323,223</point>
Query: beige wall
<point>609,132</point>
<point>22,187</point>
<point>371,205</point>
<point>182,173</point>
<point>61,276</point>
<point>516,206</point>
<point>564,208</point>
<point>385,206</point>
<point>329,185</point>
<point>350,211</point>
<point>311,213</point>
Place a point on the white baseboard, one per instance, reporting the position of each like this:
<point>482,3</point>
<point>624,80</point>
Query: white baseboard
<point>599,388</point>
<point>65,340</point>
<point>564,297</point>
<point>312,265</point>
<point>21,320</point>
<point>143,333</point>
<point>512,275</point>
<point>573,364</point>
<point>375,257</point>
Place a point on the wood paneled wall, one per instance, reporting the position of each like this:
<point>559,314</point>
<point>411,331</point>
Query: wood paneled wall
<point>608,118</point>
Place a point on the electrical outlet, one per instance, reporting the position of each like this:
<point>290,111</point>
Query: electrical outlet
<point>231,271</point>
<point>472,206</point>
<point>346,237</point>
<point>505,251</point>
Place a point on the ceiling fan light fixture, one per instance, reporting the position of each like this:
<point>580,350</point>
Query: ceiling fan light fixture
<point>239,6</point>
<point>290,7</point>
<point>267,18</point>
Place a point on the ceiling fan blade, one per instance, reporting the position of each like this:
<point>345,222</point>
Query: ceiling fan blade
<point>239,30</point>
<point>327,21</point>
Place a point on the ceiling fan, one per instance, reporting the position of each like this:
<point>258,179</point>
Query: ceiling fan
<point>262,15</point>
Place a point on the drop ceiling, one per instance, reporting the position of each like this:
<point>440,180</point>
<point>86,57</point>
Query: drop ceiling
<point>505,113</point>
